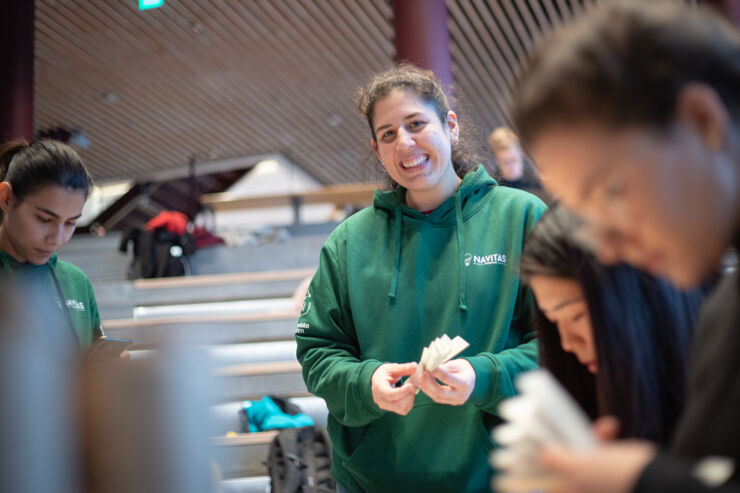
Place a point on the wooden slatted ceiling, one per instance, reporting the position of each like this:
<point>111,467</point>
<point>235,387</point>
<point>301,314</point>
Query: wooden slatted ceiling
<point>215,79</point>
<point>210,79</point>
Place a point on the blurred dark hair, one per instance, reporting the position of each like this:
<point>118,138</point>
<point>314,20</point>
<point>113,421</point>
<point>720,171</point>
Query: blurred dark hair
<point>28,167</point>
<point>425,85</point>
<point>625,63</point>
<point>641,325</point>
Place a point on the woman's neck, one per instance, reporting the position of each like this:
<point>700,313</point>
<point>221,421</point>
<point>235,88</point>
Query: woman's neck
<point>7,246</point>
<point>427,200</point>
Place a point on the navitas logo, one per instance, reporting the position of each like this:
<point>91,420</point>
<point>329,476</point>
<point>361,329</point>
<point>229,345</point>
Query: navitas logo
<point>76,305</point>
<point>492,259</point>
<point>306,304</point>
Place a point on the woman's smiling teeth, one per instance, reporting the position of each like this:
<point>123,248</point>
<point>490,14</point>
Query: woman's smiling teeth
<point>414,161</point>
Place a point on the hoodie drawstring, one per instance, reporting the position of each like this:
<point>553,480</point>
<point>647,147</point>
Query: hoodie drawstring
<point>397,257</point>
<point>461,252</point>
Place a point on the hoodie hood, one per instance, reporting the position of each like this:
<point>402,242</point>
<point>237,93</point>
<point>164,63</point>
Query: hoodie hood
<point>466,201</point>
<point>470,193</point>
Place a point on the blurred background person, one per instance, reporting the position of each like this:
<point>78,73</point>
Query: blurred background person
<point>512,169</point>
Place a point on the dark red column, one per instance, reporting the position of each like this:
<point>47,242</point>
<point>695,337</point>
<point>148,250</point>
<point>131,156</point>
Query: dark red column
<point>16,70</point>
<point>422,37</point>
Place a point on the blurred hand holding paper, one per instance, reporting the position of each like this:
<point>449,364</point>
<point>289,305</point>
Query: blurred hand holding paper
<point>440,350</point>
<point>544,414</point>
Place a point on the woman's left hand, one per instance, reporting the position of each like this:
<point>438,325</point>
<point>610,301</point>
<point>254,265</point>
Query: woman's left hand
<point>458,380</point>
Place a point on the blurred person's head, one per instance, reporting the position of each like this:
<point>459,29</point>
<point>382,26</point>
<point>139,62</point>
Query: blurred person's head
<point>631,116</point>
<point>43,187</point>
<point>615,336</point>
<point>508,153</point>
<point>414,132</point>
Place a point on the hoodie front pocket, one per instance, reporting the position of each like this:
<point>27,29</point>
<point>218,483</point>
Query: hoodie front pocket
<point>435,448</point>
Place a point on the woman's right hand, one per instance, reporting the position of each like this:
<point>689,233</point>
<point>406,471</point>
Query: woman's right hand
<point>399,400</point>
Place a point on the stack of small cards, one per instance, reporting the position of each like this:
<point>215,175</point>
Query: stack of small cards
<point>543,414</point>
<point>440,350</point>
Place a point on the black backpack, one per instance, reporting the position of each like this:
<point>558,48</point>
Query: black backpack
<point>300,461</point>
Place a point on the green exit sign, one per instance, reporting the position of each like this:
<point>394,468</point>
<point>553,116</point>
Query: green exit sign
<point>150,4</point>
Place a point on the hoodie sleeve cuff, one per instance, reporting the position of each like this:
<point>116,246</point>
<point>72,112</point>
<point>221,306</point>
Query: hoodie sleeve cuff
<point>486,383</point>
<point>364,387</point>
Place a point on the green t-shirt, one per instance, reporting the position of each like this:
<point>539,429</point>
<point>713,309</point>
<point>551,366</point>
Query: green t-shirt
<point>78,298</point>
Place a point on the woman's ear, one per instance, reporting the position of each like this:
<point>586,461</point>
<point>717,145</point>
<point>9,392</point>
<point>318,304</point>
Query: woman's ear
<point>700,107</point>
<point>6,196</point>
<point>453,126</point>
<point>375,147</point>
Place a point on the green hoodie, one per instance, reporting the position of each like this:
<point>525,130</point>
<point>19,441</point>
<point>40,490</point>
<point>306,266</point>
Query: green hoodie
<point>390,280</point>
<point>77,291</point>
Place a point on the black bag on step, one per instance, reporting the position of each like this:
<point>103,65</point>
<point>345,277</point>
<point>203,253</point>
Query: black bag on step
<point>300,461</point>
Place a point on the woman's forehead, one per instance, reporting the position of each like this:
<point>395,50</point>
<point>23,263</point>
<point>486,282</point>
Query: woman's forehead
<point>62,201</point>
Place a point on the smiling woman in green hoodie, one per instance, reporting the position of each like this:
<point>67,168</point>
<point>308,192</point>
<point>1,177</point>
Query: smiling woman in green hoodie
<point>436,254</point>
<point>43,187</point>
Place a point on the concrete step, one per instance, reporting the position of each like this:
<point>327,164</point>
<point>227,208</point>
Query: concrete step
<point>210,329</point>
<point>258,484</point>
<point>118,299</point>
<point>251,381</point>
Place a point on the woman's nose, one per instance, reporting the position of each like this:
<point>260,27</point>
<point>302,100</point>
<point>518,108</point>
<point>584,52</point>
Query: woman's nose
<point>56,235</point>
<point>405,139</point>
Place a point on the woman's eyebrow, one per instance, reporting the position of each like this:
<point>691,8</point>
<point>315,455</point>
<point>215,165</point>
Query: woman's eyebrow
<point>562,305</point>
<point>54,214</point>
<point>381,127</point>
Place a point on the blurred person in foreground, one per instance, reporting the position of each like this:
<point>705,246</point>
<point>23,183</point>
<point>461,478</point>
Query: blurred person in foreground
<point>616,337</point>
<point>631,115</point>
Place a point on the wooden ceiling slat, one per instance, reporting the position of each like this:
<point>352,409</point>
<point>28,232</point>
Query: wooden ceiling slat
<point>87,76</point>
<point>118,142</point>
<point>510,30</point>
<point>314,27</point>
<point>483,94</point>
<point>473,49</point>
<point>218,110</point>
<point>236,136</point>
<point>487,116</point>
<point>326,104</point>
<point>542,20</point>
<point>552,12</point>
<point>523,23</point>
<point>232,78</point>
<point>364,42</point>
<point>59,93</point>
<point>222,115</point>
<point>565,9</point>
<point>378,17</point>
<point>315,77</point>
<point>312,59</point>
<point>351,117</point>
<point>492,44</point>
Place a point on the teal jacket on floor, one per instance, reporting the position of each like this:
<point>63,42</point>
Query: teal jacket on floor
<point>390,280</point>
<point>77,291</point>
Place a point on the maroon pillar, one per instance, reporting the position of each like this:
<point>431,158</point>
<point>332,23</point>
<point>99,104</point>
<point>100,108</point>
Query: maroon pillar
<point>422,37</point>
<point>16,74</point>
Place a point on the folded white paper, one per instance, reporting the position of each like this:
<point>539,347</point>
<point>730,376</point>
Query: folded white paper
<point>543,414</point>
<point>440,350</point>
